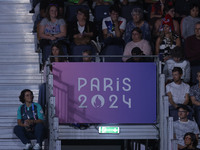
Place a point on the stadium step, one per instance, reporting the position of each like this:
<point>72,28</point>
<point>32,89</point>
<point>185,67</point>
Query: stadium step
<point>17,48</point>
<point>13,18</point>
<point>16,59</point>
<point>19,65</point>
<point>17,38</point>
<point>16,27</point>
<point>14,7</point>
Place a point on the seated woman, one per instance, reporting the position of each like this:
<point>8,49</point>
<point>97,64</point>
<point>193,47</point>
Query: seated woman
<point>56,50</point>
<point>188,23</point>
<point>167,39</point>
<point>82,34</point>
<point>191,141</point>
<point>138,21</point>
<point>169,12</point>
<point>137,41</point>
<point>82,31</point>
<point>51,29</point>
<point>30,121</point>
<point>177,60</point>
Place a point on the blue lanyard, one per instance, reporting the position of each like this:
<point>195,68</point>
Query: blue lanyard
<point>32,111</point>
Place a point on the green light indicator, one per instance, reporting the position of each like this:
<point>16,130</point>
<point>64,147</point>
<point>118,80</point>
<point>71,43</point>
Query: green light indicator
<point>108,129</point>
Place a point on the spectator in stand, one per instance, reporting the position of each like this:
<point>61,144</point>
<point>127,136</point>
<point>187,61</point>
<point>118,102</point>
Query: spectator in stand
<point>195,98</point>
<point>52,29</point>
<point>137,41</point>
<point>87,53</point>
<point>177,60</point>
<point>182,7</point>
<point>188,23</point>
<point>169,13</point>
<point>183,126</point>
<point>136,51</point>
<point>190,141</point>
<point>157,9</point>
<point>138,21</point>
<point>177,92</point>
<point>56,50</point>
<point>30,121</point>
<point>39,17</point>
<point>82,31</point>
<point>167,39</point>
<point>113,27</point>
<point>192,51</point>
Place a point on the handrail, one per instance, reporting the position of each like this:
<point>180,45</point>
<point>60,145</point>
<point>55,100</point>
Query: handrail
<point>160,103</point>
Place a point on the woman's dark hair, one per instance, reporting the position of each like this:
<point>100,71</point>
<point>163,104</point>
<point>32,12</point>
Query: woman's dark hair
<point>137,29</point>
<point>61,59</point>
<point>87,51</point>
<point>193,138</point>
<point>48,10</point>
<point>193,5</point>
<point>85,12</point>
<point>167,7</point>
<point>22,95</point>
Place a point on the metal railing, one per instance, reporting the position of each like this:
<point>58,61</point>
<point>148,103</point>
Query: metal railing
<point>164,122</point>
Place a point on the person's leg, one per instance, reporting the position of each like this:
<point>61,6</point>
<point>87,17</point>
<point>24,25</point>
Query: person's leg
<point>39,132</point>
<point>20,132</point>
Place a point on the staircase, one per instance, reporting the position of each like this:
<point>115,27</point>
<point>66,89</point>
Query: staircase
<point>19,66</point>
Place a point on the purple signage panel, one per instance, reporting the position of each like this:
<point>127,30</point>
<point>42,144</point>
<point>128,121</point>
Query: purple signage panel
<point>105,92</point>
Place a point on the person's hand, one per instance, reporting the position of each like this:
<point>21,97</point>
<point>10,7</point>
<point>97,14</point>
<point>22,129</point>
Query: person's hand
<point>28,122</point>
<point>109,35</point>
<point>52,37</point>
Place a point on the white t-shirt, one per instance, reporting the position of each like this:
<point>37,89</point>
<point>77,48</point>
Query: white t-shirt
<point>80,28</point>
<point>178,91</point>
<point>108,24</point>
<point>180,128</point>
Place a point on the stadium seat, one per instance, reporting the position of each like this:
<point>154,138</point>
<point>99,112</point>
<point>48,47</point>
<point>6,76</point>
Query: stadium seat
<point>78,49</point>
<point>113,50</point>
<point>71,11</point>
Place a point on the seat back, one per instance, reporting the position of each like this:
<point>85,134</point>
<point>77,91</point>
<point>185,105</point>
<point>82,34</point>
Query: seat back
<point>126,12</point>
<point>78,49</point>
<point>100,12</point>
<point>71,11</point>
<point>113,50</point>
